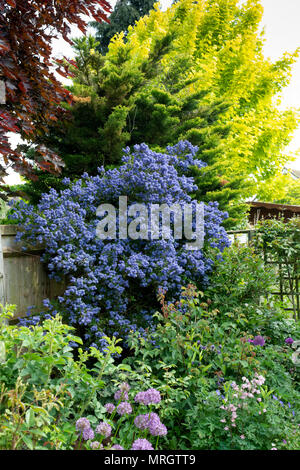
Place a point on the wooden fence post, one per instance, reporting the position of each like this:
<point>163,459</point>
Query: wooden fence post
<point>2,92</point>
<point>2,288</point>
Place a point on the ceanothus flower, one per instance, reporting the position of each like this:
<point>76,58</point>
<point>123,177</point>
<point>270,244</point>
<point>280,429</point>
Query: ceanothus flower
<point>105,275</point>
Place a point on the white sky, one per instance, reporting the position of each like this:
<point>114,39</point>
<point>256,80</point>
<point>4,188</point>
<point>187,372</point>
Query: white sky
<point>282,33</point>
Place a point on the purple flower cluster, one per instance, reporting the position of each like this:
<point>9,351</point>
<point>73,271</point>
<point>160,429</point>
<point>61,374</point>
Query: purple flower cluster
<point>110,407</point>
<point>257,341</point>
<point>109,278</point>
<point>104,429</point>
<point>83,426</point>
<point>150,397</point>
<point>151,421</point>
<point>124,408</point>
<point>141,444</point>
<point>289,340</point>
<point>121,394</point>
<point>117,447</point>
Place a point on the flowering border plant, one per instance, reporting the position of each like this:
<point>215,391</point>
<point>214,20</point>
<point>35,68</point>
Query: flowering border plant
<point>112,284</point>
<point>129,425</point>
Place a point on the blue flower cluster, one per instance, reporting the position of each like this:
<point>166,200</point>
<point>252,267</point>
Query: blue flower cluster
<point>112,284</point>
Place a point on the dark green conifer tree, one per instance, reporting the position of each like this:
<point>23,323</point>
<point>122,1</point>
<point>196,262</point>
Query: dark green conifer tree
<point>125,13</point>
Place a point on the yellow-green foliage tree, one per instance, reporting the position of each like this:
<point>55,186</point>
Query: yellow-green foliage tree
<point>282,189</point>
<point>198,72</point>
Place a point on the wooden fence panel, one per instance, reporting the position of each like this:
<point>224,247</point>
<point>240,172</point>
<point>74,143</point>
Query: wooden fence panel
<point>23,278</point>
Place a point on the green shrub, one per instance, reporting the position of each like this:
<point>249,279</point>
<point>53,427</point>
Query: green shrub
<point>240,279</point>
<point>193,358</point>
<point>44,389</point>
<point>250,418</point>
<point>240,289</point>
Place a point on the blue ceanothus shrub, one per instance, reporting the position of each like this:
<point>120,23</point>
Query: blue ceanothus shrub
<point>112,284</point>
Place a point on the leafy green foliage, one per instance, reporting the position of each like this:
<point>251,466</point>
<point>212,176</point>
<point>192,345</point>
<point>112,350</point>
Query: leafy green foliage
<point>44,389</point>
<point>240,279</point>
<point>240,288</point>
<point>198,351</point>
<point>279,242</point>
<point>202,345</point>
<point>282,189</point>
<point>255,422</point>
<point>199,358</point>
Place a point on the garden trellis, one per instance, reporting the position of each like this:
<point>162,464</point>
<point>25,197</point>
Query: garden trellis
<point>288,270</point>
